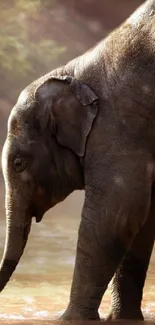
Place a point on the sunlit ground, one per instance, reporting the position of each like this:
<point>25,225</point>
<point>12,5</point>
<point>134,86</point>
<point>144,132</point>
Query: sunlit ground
<point>39,289</point>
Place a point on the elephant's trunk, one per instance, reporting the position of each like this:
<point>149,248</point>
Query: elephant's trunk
<point>17,229</point>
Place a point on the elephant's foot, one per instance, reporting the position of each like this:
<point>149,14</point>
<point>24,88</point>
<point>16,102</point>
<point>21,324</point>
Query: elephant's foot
<point>125,314</point>
<point>77,314</point>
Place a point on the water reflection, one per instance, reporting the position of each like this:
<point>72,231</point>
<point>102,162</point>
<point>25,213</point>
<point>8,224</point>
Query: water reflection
<point>39,289</point>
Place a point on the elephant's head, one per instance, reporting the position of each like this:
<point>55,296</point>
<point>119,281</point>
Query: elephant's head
<point>47,132</point>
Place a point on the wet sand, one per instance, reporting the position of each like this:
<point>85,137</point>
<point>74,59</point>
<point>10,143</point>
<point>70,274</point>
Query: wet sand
<point>34,322</point>
<point>39,289</point>
<point>52,322</point>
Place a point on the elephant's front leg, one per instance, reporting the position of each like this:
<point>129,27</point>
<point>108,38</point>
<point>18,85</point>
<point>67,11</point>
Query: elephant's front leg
<point>108,226</point>
<point>128,283</point>
<point>93,271</point>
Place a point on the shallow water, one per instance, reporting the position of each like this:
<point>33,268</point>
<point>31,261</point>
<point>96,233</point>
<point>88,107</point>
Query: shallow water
<point>40,286</point>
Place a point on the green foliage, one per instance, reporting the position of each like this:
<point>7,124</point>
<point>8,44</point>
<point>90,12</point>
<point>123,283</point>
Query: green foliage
<point>22,44</point>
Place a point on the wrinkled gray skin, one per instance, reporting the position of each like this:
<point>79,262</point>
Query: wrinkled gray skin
<point>91,125</point>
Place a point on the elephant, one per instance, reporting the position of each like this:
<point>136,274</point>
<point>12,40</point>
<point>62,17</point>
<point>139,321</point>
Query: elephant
<point>89,125</point>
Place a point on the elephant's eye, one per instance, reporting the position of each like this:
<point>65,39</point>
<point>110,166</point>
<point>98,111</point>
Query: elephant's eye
<point>19,164</point>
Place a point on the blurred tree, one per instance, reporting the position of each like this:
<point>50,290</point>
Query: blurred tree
<point>32,34</point>
<point>22,48</point>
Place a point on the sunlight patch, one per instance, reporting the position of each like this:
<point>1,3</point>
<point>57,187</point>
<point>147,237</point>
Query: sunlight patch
<point>17,317</point>
<point>42,313</point>
<point>29,300</point>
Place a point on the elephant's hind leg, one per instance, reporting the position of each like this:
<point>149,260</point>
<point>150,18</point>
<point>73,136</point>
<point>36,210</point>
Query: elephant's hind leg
<point>128,283</point>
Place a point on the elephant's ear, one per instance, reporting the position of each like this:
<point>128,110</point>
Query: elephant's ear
<point>73,108</point>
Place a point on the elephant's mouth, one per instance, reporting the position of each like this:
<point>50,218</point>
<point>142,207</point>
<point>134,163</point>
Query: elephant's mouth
<point>37,214</point>
<point>38,218</point>
<point>40,206</point>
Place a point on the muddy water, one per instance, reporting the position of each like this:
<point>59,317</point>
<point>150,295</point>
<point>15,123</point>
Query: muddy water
<point>39,289</point>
